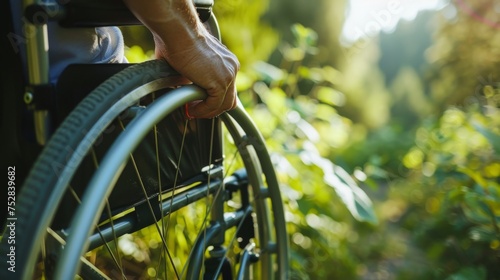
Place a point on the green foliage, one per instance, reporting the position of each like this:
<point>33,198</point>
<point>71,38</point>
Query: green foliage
<point>295,106</point>
<point>465,52</point>
<point>456,164</point>
<point>339,125</point>
<point>136,54</point>
<point>323,16</point>
<point>369,100</point>
<point>243,30</point>
<point>303,120</point>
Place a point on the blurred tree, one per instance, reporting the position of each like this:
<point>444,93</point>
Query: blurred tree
<point>454,192</point>
<point>404,66</point>
<point>368,98</point>
<point>384,75</point>
<point>466,51</point>
<point>409,103</point>
<point>407,44</point>
<point>244,30</point>
<point>324,16</point>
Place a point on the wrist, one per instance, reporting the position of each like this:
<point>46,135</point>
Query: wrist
<point>175,40</point>
<point>173,23</point>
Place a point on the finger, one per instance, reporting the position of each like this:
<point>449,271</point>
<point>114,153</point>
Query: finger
<point>229,102</point>
<point>214,105</point>
<point>208,108</point>
<point>232,97</point>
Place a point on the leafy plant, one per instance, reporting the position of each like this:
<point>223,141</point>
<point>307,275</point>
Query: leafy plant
<point>295,107</point>
<point>304,119</point>
<point>456,163</point>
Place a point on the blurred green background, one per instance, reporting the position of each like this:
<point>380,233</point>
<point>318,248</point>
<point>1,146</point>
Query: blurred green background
<point>383,120</point>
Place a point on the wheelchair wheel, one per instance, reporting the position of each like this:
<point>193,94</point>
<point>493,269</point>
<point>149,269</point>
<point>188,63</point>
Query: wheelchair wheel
<point>129,188</point>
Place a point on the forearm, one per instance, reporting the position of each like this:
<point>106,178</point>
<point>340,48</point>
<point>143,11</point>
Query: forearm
<point>182,40</point>
<point>169,20</point>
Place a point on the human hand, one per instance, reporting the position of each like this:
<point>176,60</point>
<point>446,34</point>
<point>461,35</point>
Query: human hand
<point>183,41</point>
<point>209,64</point>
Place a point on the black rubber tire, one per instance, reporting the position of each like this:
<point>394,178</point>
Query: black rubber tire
<point>38,190</point>
<point>45,186</point>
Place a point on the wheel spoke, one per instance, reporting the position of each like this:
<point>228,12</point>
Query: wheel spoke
<point>116,261</point>
<point>132,159</point>
<point>203,206</point>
